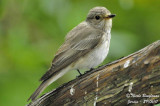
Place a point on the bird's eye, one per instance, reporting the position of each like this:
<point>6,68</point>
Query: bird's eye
<point>97,17</point>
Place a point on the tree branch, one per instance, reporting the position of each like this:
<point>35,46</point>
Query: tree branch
<point>129,79</point>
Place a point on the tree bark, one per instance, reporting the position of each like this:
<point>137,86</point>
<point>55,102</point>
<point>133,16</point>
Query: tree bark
<point>131,80</point>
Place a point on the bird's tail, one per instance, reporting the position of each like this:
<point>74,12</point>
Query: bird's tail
<point>46,83</point>
<point>41,87</point>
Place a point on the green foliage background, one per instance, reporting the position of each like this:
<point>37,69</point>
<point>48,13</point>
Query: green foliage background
<point>32,30</point>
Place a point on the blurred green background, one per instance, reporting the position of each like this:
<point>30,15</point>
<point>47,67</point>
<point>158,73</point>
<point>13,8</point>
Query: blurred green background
<point>32,30</point>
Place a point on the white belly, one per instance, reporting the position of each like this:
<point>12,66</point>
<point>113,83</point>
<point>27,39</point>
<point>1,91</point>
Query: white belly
<point>95,57</point>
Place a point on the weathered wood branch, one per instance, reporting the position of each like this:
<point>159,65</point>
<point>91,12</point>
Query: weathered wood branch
<point>129,79</point>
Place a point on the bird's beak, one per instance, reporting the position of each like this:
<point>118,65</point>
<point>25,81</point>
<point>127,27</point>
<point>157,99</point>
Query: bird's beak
<point>109,16</point>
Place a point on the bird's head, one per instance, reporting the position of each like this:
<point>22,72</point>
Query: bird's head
<point>100,17</point>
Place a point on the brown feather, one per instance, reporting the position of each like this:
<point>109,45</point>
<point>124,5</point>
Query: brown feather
<point>74,48</point>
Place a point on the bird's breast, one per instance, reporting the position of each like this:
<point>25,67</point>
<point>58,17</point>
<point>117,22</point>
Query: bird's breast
<point>96,56</point>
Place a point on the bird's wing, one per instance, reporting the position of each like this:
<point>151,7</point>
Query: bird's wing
<point>74,47</point>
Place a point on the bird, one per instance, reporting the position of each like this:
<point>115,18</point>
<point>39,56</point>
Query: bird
<point>85,47</point>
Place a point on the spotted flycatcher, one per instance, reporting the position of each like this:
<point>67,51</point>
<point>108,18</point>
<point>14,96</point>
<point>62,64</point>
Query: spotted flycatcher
<point>85,47</point>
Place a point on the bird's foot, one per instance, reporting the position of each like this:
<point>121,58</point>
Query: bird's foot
<point>80,74</point>
<point>91,69</point>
